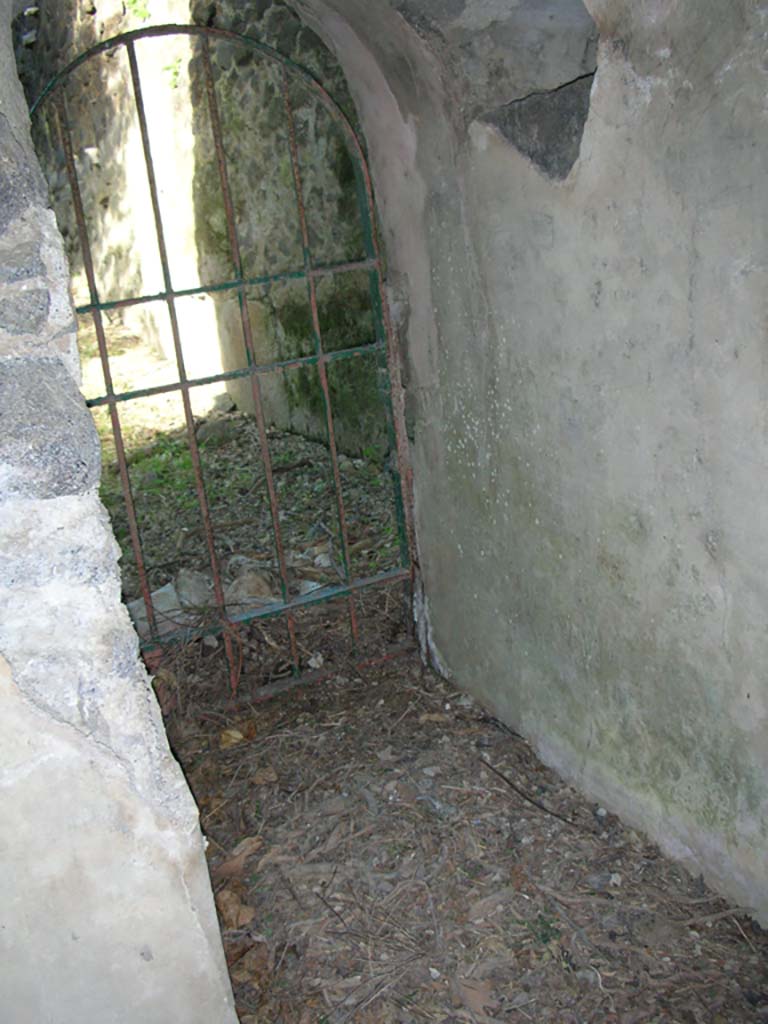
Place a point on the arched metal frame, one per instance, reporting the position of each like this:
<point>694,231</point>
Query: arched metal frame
<point>384,345</point>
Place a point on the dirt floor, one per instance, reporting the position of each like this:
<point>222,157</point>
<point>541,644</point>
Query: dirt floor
<point>383,850</point>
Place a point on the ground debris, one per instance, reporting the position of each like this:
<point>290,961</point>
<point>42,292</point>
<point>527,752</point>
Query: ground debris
<point>369,867</point>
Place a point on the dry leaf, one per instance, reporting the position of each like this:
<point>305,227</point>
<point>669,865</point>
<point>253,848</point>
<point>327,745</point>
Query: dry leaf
<point>166,687</point>
<point>275,856</point>
<point>235,864</point>
<point>230,738</point>
<point>235,948</point>
<point>477,996</point>
<point>433,716</point>
<point>487,906</point>
<point>264,775</point>
<point>248,846</point>
<point>234,913</point>
<point>337,836</point>
<point>254,967</point>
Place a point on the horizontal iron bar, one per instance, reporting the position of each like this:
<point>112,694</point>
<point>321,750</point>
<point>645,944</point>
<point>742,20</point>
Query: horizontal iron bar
<point>271,611</point>
<point>247,371</point>
<point>233,285</point>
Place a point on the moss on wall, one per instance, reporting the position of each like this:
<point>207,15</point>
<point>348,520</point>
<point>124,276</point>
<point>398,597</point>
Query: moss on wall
<point>261,178</point>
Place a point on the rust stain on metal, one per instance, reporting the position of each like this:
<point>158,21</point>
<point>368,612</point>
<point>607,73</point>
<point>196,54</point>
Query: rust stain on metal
<point>321,367</point>
<point>248,339</point>
<point>202,498</point>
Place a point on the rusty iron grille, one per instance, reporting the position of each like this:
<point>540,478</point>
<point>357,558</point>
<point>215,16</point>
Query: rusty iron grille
<point>310,272</point>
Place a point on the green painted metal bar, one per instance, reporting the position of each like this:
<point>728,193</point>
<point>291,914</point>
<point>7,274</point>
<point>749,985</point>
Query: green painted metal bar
<point>271,611</point>
<point>246,371</point>
<point>191,30</point>
<point>233,285</point>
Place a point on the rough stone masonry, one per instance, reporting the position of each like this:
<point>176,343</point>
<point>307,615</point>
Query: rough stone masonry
<point>106,912</point>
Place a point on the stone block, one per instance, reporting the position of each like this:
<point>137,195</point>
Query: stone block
<point>48,444</point>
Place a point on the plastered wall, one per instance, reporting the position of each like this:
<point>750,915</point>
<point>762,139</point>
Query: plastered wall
<point>586,384</point>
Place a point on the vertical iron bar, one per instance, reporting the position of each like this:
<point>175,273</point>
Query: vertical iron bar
<point>85,246</point>
<point>184,385</point>
<point>245,320</point>
<point>321,367</point>
<point>404,501</point>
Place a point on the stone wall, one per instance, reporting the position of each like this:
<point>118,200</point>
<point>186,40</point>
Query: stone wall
<point>107,913</point>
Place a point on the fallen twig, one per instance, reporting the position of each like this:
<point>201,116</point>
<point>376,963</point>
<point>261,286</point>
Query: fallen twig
<point>529,799</point>
<point>708,918</point>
